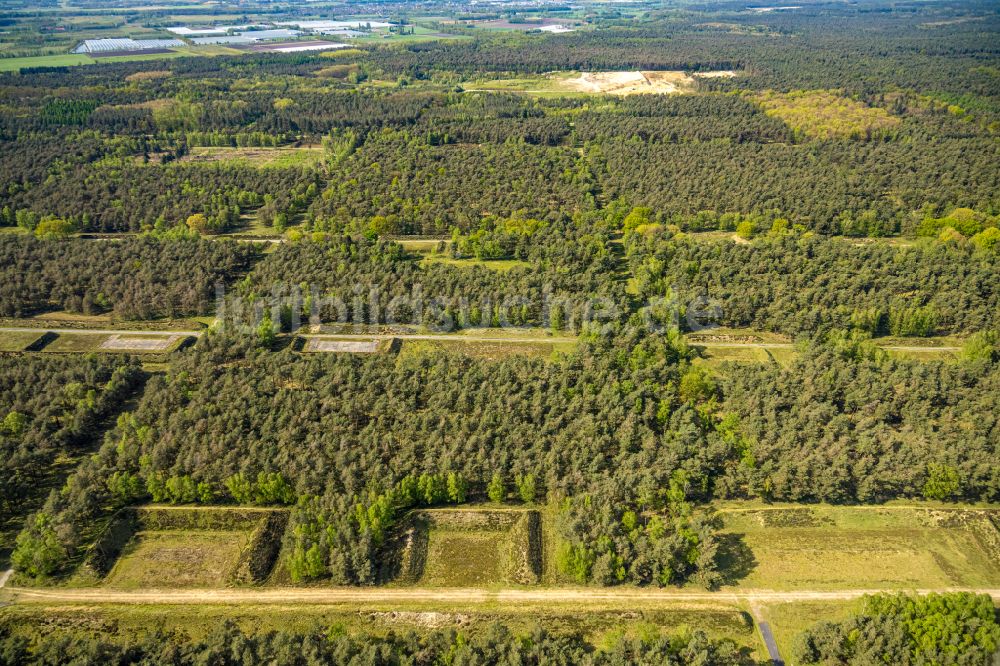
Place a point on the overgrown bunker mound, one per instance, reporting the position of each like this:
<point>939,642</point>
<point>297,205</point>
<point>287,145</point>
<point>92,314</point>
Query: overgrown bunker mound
<point>146,547</point>
<point>468,547</point>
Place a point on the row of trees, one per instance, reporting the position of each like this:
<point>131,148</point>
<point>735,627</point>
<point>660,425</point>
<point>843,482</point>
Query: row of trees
<point>495,643</point>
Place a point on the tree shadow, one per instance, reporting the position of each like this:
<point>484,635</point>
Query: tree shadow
<point>735,559</point>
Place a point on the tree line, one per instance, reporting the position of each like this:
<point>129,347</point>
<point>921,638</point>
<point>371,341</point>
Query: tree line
<point>227,643</point>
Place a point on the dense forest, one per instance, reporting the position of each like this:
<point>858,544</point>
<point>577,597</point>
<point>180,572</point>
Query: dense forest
<point>957,628</point>
<point>845,423</point>
<point>50,407</point>
<point>109,148</point>
<point>404,418</point>
<point>133,278</point>
<point>824,174</point>
<point>785,280</point>
<point>344,279</point>
<point>625,426</point>
<point>794,283</point>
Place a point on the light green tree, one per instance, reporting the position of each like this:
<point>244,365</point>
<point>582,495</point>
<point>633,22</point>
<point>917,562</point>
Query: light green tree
<point>496,490</point>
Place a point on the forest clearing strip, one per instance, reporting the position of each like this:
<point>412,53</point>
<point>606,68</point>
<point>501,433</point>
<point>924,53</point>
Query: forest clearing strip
<point>448,336</point>
<point>95,331</point>
<point>440,336</point>
<point>345,336</point>
<point>583,596</point>
<point>789,345</point>
<point>857,507</point>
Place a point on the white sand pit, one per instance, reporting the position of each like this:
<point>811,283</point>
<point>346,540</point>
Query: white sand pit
<point>723,74</point>
<point>145,344</point>
<point>346,346</point>
<point>629,83</point>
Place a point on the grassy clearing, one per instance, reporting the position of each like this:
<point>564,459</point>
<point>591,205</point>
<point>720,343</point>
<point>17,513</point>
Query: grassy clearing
<point>15,341</point>
<point>76,342</point>
<point>279,157</point>
<point>783,357</point>
<point>714,357</point>
<point>726,335</point>
<point>462,559</point>
<point>824,114</point>
<point>419,245</point>
<point>829,548</point>
<point>923,355</point>
<point>541,83</point>
<point>499,265</point>
<point>64,317</point>
<point>488,350</point>
<point>479,546</point>
<point>788,620</point>
<point>931,343</point>
<point>177,558</point>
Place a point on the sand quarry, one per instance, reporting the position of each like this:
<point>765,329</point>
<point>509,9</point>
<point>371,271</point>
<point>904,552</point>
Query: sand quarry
<point>630,83</point>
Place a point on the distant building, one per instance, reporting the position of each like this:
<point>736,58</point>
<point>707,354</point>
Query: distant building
<point>248,37</point>
<point>125,44</point>
<point>557,28</point>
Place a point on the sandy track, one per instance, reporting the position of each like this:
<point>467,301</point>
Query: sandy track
<point>789,345</point>
<point>98,331</point>
<point>581,597</point>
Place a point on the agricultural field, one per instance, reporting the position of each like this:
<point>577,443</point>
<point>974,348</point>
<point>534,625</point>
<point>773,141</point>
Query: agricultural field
<point>60,60</point>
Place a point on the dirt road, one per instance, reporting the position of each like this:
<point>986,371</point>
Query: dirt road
<point>578,597</point>
<point>450,337</point>
<point>97,331</point>
<point>789,345</point>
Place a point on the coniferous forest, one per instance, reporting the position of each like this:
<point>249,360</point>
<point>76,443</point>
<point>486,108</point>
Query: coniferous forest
<point>492,333</point>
